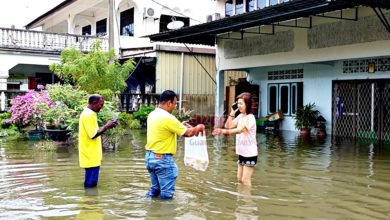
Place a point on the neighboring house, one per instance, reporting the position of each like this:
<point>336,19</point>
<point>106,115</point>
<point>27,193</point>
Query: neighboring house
<point>333,53</point>
<point>187,69</point>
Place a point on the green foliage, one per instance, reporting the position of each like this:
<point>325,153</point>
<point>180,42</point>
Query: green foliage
<point>306,116</point>
<point>5,116</point>
<point>142,113</point>
<point>135,124</point>
<point>67,94</point>
<point>69,103</point>
<point>127,120</point>
<point>11,131</point>
<point>95,72</point>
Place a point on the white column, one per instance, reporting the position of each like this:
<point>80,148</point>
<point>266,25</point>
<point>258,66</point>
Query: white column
<point>219,98</point>
<point>3,81</point>
<point>70,21</point>
<point>181,83</point>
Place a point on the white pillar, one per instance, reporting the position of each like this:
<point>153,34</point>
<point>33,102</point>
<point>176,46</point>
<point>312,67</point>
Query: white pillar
<point>70,21</point>
<point>181,83</point>
<point>219,98</point>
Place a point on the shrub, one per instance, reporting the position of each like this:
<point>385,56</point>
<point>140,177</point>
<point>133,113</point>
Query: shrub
<point>29,108</point>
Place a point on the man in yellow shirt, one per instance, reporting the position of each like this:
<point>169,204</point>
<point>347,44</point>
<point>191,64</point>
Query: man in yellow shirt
<point>162,130</point>
<point>90,144</point>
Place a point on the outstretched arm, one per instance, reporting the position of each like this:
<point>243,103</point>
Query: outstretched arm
<point>192,131</point>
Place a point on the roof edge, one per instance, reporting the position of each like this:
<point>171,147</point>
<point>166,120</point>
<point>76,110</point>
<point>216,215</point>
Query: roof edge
<point>51,11</point>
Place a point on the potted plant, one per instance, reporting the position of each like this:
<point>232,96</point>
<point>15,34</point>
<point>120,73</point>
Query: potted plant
<point>305,117</point>
<point>57,122</point>
<point>320,127</point>
<point>29,109</point>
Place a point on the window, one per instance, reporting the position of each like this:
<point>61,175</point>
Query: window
<point>286,97</point>
<point>229,8</point>
<point>261,4</point>
<point>165,19</point>
<point>86,30</point>
<point>239,7</point>
<point>101,27</point>
<point>250,5</point>
<point>127,22</point>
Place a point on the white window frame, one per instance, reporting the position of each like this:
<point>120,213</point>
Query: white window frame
<point>290,85</point>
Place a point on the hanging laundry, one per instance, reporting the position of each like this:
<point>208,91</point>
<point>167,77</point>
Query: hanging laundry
<point>339,108</point>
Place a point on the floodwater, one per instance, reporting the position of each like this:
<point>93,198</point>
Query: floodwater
<point>294,179</point>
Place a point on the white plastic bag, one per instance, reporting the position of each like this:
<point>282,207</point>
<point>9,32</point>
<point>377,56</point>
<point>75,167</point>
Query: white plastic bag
<point>195,152</point>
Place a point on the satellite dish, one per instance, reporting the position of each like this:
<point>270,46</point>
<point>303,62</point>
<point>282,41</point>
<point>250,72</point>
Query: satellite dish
<point>175,25</point>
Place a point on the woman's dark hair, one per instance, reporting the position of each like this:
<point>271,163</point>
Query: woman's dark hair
<point>248,100</point>
<point>167,95</point>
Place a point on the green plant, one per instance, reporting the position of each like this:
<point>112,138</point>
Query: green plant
<point>142,113</point>
<point>306,116</point>
<point>135,124</point>
<point>95,72</point>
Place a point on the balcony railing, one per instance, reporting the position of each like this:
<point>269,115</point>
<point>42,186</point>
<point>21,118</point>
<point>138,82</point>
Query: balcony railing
<point>44,41</point>
<point>131,102</point>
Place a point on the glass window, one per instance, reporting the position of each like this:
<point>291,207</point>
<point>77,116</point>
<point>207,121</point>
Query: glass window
<point>101,27</point>
<point>86,30</point>
<point>272,98</point>
<point>127,22</point>
<point>261,4</point>
<point>284,100</point>
<point>286,97</point>
<point>229,8</point>
<point>250,5</point>
<point>293,98</point>
<point>239,7</point>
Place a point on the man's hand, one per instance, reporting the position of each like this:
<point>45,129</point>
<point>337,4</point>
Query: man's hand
<point>110,124</point>
<point>194,130</point>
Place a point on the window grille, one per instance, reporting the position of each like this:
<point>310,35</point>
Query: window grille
<point>381,64</point>
<point>285,74</point>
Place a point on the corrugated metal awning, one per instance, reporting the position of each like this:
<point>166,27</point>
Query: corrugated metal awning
<point>205,33</point>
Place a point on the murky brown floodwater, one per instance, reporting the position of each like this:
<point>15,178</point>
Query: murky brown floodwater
<point>294,180</point>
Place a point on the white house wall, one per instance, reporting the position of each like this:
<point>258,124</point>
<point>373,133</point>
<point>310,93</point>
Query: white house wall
<point>319,51</point>
<point>81,13</point>
<point>10,60</point>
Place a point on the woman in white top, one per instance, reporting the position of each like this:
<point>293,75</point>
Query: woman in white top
<point>244,126</point>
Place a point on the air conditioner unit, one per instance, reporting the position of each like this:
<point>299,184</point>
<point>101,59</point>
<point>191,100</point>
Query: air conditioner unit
<point>149,13</point>
<point>213,17</point>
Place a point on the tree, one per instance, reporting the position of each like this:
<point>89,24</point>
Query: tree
<point>95,72</point>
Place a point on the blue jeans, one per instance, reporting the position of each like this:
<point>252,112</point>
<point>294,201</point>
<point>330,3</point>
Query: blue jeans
<point>163,172</point>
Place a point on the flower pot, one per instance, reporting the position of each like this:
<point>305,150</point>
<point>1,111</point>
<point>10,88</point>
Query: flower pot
<point>305,132</point>
<point>57,134</point>
<point>35,134</point>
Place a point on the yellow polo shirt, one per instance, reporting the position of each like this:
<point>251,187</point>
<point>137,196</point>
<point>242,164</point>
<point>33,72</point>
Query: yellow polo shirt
<point>162,131</point>
<point>90,150</point>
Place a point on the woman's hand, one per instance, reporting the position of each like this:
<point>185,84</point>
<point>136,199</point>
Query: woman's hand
<point>217,131</point>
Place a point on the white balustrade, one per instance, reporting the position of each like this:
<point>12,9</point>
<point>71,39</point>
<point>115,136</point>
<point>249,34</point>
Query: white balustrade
<point>37,40</point>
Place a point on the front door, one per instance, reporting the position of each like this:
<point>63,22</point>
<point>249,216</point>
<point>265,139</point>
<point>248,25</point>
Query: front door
<point>360,109</point>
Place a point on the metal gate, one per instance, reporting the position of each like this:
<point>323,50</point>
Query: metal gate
<point>360,109</point>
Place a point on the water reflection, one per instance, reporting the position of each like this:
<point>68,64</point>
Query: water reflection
<point>246,206</point>
<point>294,179</point>
<point>89,205</point>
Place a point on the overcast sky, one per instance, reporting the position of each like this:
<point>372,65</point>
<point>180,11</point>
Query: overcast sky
<point>22,12</point>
